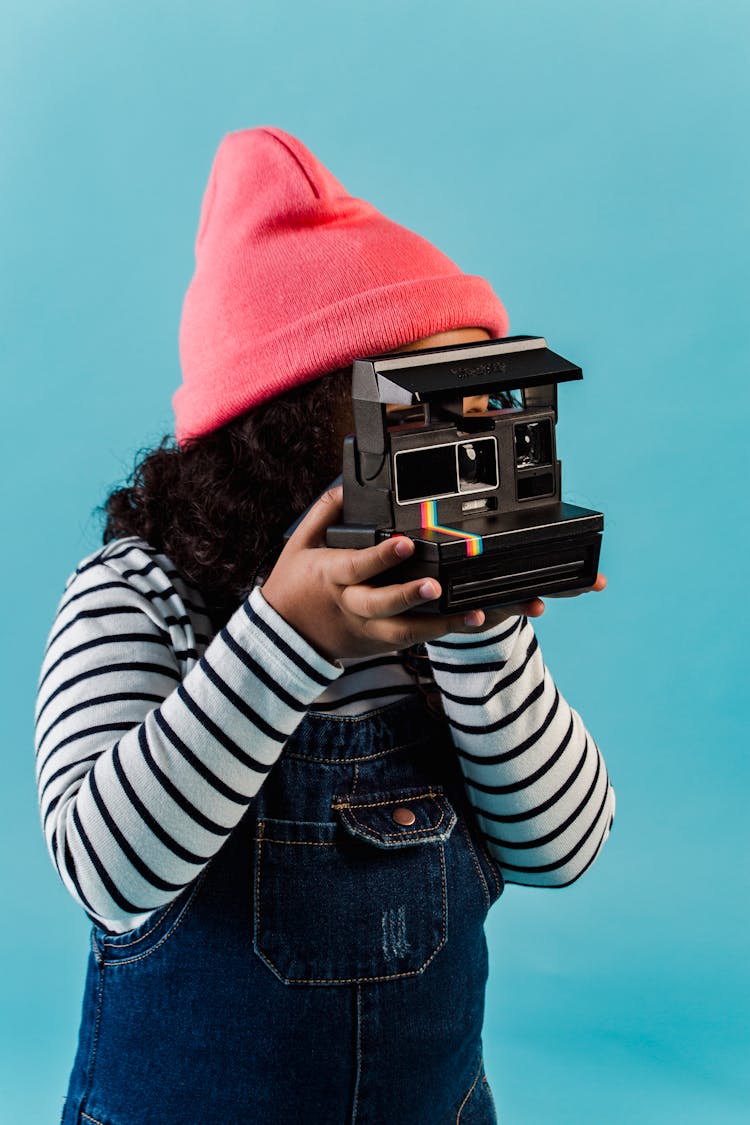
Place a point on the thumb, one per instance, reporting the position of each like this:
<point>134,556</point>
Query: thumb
<point>310,529</point>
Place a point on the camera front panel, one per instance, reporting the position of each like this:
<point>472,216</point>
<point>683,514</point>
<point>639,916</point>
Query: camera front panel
<point>450,469</point>
<point>507,465</point>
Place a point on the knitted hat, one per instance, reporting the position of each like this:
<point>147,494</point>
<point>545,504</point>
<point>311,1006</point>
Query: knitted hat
<point>294,278</point>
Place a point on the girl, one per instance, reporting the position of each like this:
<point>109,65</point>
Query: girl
<point>286,817</point>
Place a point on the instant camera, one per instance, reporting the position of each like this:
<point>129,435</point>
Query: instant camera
<point>477,491</point>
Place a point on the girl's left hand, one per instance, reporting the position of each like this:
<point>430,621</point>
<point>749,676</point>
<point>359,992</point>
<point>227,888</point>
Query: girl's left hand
<point>535,607</point>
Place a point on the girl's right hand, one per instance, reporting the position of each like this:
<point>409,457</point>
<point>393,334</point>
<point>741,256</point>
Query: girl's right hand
<point>323,593</point>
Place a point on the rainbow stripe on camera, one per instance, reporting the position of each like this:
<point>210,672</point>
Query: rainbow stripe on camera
<point>429,523</point>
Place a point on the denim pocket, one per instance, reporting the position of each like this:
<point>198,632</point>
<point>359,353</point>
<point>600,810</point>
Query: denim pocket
<point>120,949</point>
<point>360,898</point>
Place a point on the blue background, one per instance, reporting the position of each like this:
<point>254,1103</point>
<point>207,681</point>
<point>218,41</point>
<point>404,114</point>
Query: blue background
<point>591,160</point>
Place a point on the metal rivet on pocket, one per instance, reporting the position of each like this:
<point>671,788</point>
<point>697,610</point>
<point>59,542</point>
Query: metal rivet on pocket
<point>403,816</point>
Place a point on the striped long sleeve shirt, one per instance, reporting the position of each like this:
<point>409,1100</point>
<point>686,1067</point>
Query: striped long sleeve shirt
<point>153,735</point>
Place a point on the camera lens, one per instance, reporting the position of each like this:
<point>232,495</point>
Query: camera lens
<point>467,464</point>
<point>476,462</point>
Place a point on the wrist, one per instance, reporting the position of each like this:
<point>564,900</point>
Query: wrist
<point>277,613</point>
<point>474,648</point>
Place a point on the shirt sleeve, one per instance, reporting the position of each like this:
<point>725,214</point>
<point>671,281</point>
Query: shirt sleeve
<point>534,775</point>
<point>142,770</point>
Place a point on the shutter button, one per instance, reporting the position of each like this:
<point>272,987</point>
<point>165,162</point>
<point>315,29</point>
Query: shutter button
<point>403,816</point>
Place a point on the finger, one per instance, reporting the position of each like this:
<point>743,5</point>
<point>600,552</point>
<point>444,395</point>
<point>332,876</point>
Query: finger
<point>311,529</point>
<point>354,567</point>
<point>376,602</point>
<point>534,608</point>
<point>599,585</point>
<point>406,630</point>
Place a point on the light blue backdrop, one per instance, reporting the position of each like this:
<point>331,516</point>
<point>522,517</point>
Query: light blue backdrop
<point>591,160</point>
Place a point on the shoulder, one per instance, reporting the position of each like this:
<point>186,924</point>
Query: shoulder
<point>131,572</point>
<point>128,557</point>
<point>141,566</point>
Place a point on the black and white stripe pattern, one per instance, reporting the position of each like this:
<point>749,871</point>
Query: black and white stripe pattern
<point>152,738</point>
<point>534,776</point>
<point>365,685</point>
<point>151,741</point>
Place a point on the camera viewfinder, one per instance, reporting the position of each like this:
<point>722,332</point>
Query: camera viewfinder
<point>533,442</point>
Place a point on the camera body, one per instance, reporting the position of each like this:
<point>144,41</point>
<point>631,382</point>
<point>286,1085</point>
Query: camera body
<point>479,491</point>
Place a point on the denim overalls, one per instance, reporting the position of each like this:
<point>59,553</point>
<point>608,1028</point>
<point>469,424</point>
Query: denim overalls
<point>329,965</point>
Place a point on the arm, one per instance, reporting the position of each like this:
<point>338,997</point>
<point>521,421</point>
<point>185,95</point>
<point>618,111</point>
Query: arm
<point>534,776</point>
<point>147,757</point>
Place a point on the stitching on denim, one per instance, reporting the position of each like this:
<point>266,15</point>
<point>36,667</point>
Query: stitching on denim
<point>107,942</point>
<point>475,861</point>
<point>349,980</point>
<point>343,760</point>
<point>415,834</point>
<point>496,881</point>
<point>344,803</point>
<point>493,872</point>
<point>471,1091</point>
<point>175,926</point>
<point>94,1039</point>
<point>358,1033</point>
<point>93,1120</point>
<point>256,911</point>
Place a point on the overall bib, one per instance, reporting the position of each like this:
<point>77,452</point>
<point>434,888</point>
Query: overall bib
<point>329,965</point>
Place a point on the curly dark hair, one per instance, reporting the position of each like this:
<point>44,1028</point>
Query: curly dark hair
<point>218,505</point>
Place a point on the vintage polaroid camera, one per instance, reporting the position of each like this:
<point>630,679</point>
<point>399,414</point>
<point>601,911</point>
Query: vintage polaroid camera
<point>477,491</point>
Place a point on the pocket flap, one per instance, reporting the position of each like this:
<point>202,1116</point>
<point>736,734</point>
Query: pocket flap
<point>399,818</point>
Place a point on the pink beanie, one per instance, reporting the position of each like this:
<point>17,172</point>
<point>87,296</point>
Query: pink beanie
<point>294,278</point>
